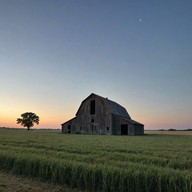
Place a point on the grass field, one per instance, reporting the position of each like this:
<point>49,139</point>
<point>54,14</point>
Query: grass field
<point>14,183</point>
<point>100,163</point>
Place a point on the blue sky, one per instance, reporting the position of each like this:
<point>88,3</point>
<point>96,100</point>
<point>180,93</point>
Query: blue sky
<point>54,53</point>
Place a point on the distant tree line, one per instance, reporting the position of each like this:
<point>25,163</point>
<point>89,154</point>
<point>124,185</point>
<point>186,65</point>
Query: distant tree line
<point>175,130</point>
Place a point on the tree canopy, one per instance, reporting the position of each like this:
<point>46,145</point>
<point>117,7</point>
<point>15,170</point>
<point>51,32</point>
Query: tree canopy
<point>28,120</point>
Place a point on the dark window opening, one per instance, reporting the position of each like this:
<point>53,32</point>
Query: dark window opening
<point>92,111</point>
<point>107,128</point>
<point>92,120</point>
<point>80,128</point>
<point>69,128</point>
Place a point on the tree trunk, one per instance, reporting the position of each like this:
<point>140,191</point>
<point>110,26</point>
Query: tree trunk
<point>28,128</point>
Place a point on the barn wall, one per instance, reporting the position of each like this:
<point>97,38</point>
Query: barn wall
<point>117,122</point>
<point>94,117</point>
<point>72,124</point>
<point>97,123</point>
<point>133,129</point>
<point>139,129</point>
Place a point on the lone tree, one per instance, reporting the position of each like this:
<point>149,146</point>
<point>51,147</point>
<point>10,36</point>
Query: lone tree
<point>28,119</point>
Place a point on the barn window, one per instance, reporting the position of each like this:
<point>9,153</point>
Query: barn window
<point>107,128</point>
<point>92,111</point>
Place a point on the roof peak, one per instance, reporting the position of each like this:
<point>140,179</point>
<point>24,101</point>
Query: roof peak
<point>114,108</point>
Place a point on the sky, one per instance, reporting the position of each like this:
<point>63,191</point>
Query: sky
<point>55,53</point>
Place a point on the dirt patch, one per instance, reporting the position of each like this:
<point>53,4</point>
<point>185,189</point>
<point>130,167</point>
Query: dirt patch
<point>14,183</point>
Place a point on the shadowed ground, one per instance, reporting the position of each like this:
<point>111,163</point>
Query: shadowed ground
<point>15,183</point>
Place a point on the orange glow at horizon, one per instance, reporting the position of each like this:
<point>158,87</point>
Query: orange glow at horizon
<point>54,121</point>
<point>45,122</point>
<point>54,117</point>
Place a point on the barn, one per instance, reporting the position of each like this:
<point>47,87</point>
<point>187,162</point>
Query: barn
<point>99,115</point>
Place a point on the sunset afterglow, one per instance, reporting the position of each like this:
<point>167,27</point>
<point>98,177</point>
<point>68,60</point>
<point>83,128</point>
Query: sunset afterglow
<point>53,54</point>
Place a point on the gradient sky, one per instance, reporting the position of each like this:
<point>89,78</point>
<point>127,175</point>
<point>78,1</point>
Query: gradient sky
<point>55,53</point>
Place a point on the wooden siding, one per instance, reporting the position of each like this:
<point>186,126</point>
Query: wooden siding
<point>133,128</point>
<point>97,123</point>
<point>94,116</point>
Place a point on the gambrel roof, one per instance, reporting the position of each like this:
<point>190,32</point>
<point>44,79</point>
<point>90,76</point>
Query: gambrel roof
<point>113,107</point>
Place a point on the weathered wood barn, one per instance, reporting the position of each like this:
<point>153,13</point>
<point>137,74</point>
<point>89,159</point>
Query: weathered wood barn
<point>99,115</point>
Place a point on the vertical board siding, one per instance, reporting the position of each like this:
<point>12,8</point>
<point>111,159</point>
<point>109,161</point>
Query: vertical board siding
<point>95,117</point>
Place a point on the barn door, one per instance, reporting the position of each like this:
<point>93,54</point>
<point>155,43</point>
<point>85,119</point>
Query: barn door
<point>69,128</point>
<point>124,129</point>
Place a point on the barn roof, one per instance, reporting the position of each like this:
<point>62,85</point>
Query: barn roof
<point>113,107</point>
<point>132,121</point>
<point>69,120</point>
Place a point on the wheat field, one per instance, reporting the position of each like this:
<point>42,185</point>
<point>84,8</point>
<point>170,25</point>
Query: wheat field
<point>152,162</point>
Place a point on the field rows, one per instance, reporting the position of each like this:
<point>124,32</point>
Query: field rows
<point>100,163</point>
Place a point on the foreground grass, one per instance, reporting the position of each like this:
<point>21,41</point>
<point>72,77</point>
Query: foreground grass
<point>100,163</point>
<point>13,183</point>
